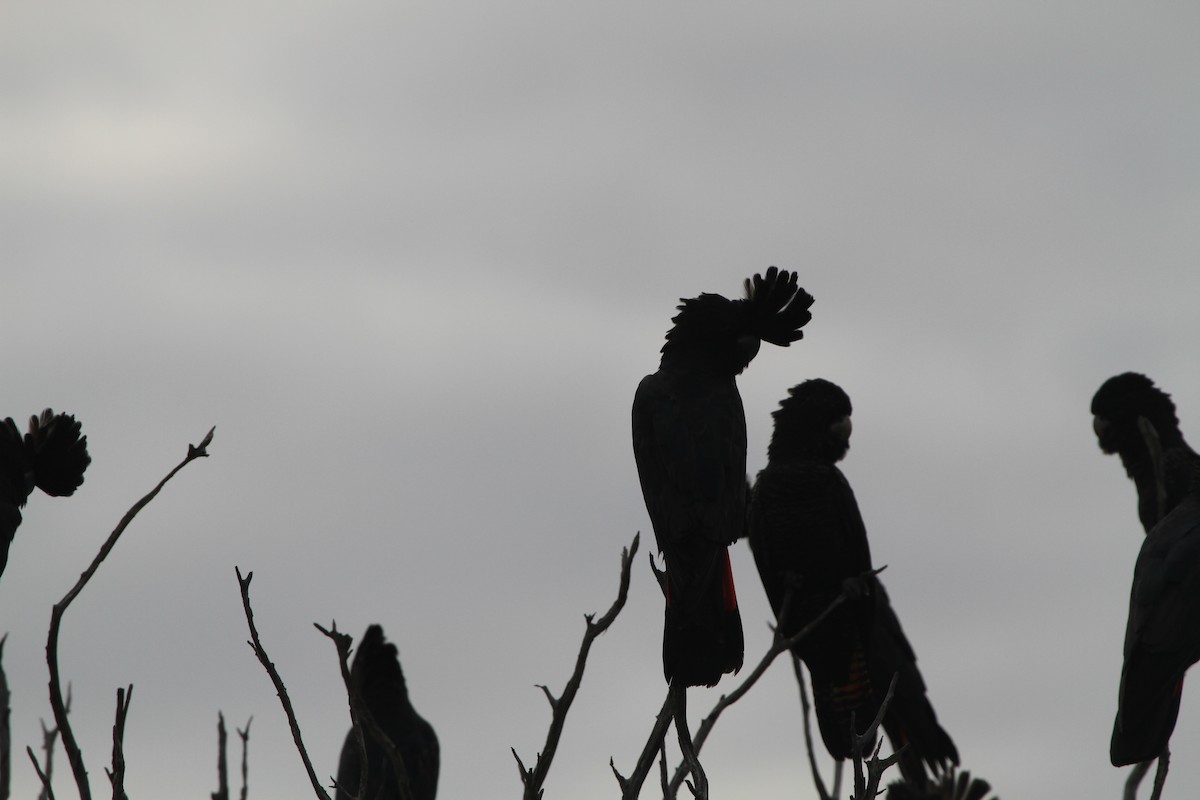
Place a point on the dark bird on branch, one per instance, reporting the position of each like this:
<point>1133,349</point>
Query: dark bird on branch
<point>810,545</point>
<point>377,677</point>
<point>52,457</point>
<point>1136,420</point>
<point>1162,636</point>
<point>689,440</point>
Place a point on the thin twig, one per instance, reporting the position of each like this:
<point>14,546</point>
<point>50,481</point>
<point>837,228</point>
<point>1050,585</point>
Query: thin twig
<point>256,645</point>
<point>805,708</point>
<point>116,775</point>
<point>342,642</point>
<point>5,730</point>
<point>245,735</point>
<point>222,792</point>
<point>779,645</point>
<point>631,787</point>
<point>47,790</point>
<point>49,736</point>
<point>363,720</point>
<point>663,776</point>
<point>535,778</point>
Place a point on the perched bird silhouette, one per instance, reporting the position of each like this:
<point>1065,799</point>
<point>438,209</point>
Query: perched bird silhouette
<point>810,545</point>
<point>377,677</point>
<point>1136,420</point>
<point>1162,636</point>
<point>52,457</point>
<point>689,440</point>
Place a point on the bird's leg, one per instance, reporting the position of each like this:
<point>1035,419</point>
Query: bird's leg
<point>699,782</point>
<point>1160,776</point>
<point>1135,779</point>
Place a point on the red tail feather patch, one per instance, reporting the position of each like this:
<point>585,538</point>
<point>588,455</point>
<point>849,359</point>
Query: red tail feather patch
<point>728,595</point>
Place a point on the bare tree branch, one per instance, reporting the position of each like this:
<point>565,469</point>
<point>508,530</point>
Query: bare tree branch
<point>5,730</point>
<point>664,776</point>
<point>256,645</point>
<point>867,787</point>
<point>245,736</point>
<point>47,790</point>
<point>363,721</point>
<point>116,775</point>
<point>805,709</point>
<point>222,792</point>
<point>56,702</point>
<point>534,778</point>
<point>631,787</point>
<point>49,736</point>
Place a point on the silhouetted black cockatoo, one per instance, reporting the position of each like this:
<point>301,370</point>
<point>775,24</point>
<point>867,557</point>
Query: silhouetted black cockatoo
<point>377,676</point>
<point>810,545</point>
<point>689,440</point>
<point>1162,636</point>
<point>52,457</point>
<point>1136,420</point>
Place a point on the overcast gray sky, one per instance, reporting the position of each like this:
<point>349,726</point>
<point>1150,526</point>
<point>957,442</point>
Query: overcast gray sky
<point>412,259</point>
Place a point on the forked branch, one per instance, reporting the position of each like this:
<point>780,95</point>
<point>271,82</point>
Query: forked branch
<point>256,645</point>
<point>74,756</point>
<point>534,778</point>
<point>866,787</point>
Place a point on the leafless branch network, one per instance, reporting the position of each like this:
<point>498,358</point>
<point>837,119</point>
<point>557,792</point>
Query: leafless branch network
<point>534,778</point>
<point>866,787</point>
<point>74,755</point>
